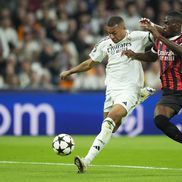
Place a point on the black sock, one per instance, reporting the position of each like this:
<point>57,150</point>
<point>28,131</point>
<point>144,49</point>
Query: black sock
<point>162,122</point>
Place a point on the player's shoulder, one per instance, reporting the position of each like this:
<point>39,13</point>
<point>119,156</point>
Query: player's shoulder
<point>102,44</point>
<point>104,40</point>
<point>138,33</point>
<point>141,36</point>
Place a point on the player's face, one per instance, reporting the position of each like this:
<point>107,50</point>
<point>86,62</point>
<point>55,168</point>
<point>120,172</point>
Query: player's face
<point>116,33</point>
<point>170,26</point>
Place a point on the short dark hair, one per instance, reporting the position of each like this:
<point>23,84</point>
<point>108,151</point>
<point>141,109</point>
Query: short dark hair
<point>175,15</point>
<point>114,21</point>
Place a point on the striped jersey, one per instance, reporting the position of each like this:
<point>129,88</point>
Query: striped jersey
<point>170,65</point>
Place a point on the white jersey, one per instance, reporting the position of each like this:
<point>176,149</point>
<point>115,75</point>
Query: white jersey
<point>122,72</point>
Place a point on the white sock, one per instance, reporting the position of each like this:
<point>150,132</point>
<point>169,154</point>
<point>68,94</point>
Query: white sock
<point>101,140</point>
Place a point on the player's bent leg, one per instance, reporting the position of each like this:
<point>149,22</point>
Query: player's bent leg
<point>100,141</point>
<point>102,138</point>
<point>117,112</point>
<point>162,121</point>
<point>145,93</point>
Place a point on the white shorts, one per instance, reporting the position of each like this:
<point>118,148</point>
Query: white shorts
<point>127,98</point>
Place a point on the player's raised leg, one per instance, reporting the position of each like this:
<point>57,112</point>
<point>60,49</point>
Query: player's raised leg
<point>144,94</point>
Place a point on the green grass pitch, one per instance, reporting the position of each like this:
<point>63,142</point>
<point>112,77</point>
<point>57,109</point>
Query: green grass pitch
<point>124,159</point>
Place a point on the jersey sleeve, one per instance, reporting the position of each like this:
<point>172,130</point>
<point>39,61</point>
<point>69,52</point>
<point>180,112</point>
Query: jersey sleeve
<point>154,50</point>
<point>146,37</point>
<point>154,47</point>
<point>180,41</point>
<point>97,54</point>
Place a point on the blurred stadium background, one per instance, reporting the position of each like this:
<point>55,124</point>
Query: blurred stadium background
<point>41,38</point>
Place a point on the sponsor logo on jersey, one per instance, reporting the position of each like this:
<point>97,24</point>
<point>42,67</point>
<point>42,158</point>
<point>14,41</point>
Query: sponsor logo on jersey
<point>114,49</point>
<point>166,55</point>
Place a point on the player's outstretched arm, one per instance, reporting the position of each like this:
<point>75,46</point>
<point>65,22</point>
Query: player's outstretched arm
<point>157,34</point>
<point>148,56</point>
<point>145,21</point>
<point>84,66</point>
<point>171,45</point>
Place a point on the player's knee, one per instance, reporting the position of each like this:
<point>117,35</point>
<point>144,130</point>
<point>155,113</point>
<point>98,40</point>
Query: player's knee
<point>117,113</point>
<point>116,116</point>
<point>161,121</point>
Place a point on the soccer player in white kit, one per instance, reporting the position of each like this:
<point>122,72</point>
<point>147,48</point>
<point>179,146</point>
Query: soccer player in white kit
<point>124,79</point>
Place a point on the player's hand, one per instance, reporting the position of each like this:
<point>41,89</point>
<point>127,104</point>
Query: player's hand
<point>64,74</point>
<point>145,22</point>
<point>148,25</point>
<point>129,53</point>
<point>153,30</point>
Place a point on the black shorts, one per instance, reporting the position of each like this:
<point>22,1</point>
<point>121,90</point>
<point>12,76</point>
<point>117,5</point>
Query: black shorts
<point>173,101</point>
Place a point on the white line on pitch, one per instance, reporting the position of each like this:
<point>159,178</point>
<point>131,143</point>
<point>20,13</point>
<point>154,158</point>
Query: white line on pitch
<point>111,166</point>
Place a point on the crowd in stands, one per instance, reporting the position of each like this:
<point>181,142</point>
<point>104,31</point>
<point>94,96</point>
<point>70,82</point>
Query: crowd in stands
<point>41,38</point>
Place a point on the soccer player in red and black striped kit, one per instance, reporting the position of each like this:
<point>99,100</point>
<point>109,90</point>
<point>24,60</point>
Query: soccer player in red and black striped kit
<point>168,49</point>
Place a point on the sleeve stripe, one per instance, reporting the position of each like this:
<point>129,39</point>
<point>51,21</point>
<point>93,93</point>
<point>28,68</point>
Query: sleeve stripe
<point>152,49</point>
<point>150,37</point>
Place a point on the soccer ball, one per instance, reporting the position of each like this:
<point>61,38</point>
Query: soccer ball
<point>63,144</point>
